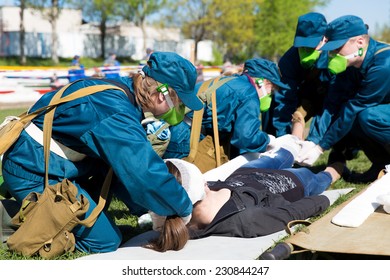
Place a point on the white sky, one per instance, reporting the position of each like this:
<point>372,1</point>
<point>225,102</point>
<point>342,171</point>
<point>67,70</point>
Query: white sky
<point>375,13</point>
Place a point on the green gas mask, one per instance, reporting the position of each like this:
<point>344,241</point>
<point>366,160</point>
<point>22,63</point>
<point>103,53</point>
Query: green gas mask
<point>265,98</point>
<point>174,115</point>
<point>338,63</point>
<point>265,102</point>
<point>308,56</point>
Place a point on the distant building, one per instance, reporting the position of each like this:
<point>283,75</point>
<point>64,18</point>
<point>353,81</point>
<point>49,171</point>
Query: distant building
<point>125,39</point>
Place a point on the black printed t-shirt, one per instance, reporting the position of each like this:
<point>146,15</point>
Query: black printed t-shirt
<point>262,202</point>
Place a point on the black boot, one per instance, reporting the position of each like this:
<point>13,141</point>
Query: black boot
<point>366,177</point>
<point>280,252</point>
<point>351,153</point>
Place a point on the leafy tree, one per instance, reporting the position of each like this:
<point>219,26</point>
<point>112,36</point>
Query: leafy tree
<point>228,23</point>
<point>105,8</point>
<point>51,10</point>
<point>190,16</point>
<point>138,11</point>
<point>101,11</point>
<point>276,23</point>
<point>383,34</point>
<point>232,27</point>
<point>242,28</point>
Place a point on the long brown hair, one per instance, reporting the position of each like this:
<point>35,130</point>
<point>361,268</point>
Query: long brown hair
<point>175,234</point>
<point>173,237</point>
<point>145,87</point>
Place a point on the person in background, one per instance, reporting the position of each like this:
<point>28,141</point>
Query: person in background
<point>363,65</point>
<point>199,70</point>
<point>232,69</point>
<point>227,65</point>
<point>305,69</point>
<point>76,71</point>
<point>111,60</point>
<point>55,82</point>
<point>98,73</point>
<point>149,52</point>
<point>76,62</point>
<point>111,68</point>
<point>240,102</point>
<point>104,130</point>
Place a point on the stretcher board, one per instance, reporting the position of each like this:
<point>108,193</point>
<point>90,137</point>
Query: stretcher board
<point>209,248</point>
<point>368,236</point>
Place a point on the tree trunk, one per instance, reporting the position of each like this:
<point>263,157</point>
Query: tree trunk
<point>144,35</point>
<point>103,36</point>
<point>142,24</point>
<point>54,44</point>
<point>22,59</point>
<point>199,33</point>
<point>196,50</point>
<point>54,36</point>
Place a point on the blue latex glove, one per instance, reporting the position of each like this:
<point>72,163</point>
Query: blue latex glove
<point>153,127</point>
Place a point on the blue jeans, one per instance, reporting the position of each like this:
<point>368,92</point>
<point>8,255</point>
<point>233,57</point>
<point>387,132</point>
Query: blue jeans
<point>283,159</point>
<point>313,183</point>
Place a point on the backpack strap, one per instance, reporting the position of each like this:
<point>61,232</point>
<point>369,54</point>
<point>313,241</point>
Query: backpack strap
<point>204,91</point>
<point>206,94</point>
<point>215,127</point>
<point>164,126</point>
<point>118,84</point>
<point>57,99</point>
<point>47,131</point>
<point>88,222</point>
<point>197,124</point>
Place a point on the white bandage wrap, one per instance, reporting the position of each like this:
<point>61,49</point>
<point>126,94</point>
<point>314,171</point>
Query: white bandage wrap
<point>358,210</point>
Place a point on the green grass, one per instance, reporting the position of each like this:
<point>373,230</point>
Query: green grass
<point>10,112</point>
<point>128,223</point>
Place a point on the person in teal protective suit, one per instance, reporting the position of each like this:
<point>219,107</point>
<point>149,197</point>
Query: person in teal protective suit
<point>104,129</point>
<point>240,102</point>
<point>365,115</point>
<point>305,69</point>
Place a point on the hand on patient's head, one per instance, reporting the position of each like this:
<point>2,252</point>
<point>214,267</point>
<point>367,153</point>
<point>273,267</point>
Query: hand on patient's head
<point>190,177</point>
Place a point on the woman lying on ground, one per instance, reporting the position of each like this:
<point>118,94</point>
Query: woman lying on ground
<point>257,199</point>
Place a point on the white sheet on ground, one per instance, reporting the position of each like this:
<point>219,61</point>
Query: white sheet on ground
<point>210,248</point>
<point>358,210</point>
